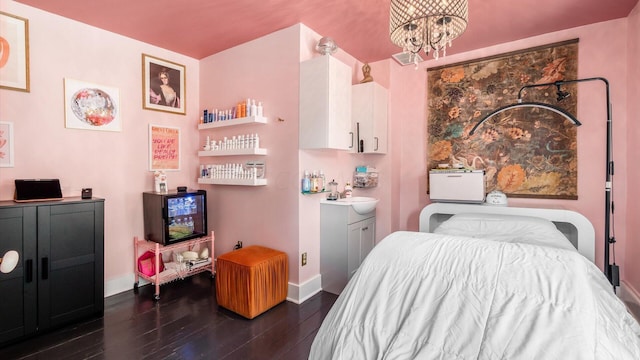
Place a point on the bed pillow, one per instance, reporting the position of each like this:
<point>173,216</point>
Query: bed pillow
<point>506,228</point>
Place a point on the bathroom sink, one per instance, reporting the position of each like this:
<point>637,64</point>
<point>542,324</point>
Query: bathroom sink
<point>361,204</point>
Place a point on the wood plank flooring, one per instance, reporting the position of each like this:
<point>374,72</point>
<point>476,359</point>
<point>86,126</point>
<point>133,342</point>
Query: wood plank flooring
<point>186,323</point>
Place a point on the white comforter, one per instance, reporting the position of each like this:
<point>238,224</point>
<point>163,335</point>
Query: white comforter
<point>433,296</point>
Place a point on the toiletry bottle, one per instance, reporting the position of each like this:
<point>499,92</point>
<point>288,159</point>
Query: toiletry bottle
<point>347,190</point>
<point>259,109</point>
<point>250,141</point>
<point>314,182</point>
<point>254,108</point>
<point>306,182</point>
<point>322,181</point>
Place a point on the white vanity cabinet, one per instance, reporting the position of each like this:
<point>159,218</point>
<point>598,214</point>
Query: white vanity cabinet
<point>346,238</point>
<point>369,113</point>
<point>325,104</point>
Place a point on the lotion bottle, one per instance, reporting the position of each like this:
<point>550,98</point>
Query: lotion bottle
<point>321,181</point>
<point>314,182</point>
<point>254,108</point>
<point>306,182</point>
<point>347,190</point>
<point>259,109</point>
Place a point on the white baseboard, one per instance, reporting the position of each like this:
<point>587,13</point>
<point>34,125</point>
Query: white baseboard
<point>300,293</point>
<point>121,284</point>
<point>628,293</point>
<point>295,293</point>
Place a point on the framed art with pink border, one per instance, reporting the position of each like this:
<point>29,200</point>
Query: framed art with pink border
<point>164,148</point>
<point>6,144</point>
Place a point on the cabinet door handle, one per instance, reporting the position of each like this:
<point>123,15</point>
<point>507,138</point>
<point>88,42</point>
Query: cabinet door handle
<point>358,137</point>
<point>351,133</point>
<point>29,271</point>
<point>376,149</point>
<point>45,268</point>
<point>365,228</point>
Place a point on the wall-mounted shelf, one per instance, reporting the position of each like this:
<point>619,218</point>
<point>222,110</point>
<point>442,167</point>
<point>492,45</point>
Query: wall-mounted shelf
<point>312,193</point>
<point>233,122</point>
<point>242,182</point>
<point>232,152</point>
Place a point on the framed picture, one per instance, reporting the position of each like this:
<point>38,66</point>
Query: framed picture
<point>89,106</point>
<point>163,85</point>
<point>14,52</point>
<point>6,144</point>
<point>164,148</point>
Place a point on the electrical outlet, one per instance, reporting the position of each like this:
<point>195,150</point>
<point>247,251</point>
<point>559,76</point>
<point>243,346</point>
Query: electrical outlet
<point>304,259</point>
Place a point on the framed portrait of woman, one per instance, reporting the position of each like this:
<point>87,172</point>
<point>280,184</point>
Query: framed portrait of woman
<point>163,85</point>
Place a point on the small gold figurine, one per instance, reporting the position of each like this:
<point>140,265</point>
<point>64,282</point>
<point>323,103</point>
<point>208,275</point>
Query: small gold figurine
<point>366,73</point>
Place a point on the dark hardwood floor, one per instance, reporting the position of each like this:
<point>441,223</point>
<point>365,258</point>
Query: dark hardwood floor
<point>186,323</point>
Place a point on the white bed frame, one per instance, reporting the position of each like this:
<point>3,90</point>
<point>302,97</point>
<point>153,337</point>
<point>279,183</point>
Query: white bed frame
<point>577,228</point>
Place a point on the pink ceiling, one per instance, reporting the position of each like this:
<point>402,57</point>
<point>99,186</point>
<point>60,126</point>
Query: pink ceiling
<point>199,28</point>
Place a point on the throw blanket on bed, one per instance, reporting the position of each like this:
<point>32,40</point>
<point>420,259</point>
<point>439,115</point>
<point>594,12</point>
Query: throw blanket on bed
<point>433,296</point>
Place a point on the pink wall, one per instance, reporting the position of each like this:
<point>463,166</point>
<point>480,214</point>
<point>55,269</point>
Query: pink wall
<point>278,215</point>
<point>603,53</point>
<point>265,69</point>
<point>114,164</point>
<point>631,271</point>
<point>408,134</point>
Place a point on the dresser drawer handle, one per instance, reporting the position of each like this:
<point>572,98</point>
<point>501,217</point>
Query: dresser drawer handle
<point>29,271</point>
<point>45,268</point>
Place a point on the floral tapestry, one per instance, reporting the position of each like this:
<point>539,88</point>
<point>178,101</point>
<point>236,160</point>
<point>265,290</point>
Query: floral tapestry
<point>525,152</point>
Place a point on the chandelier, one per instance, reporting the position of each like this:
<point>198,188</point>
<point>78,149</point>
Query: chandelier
<point>426,25</point>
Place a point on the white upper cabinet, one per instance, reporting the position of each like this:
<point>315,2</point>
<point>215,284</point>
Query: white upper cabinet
<point>325,104</point>
<point>369,118</point>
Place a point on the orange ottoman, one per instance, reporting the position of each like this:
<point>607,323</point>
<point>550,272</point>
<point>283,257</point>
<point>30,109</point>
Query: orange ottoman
<point>251,280</point>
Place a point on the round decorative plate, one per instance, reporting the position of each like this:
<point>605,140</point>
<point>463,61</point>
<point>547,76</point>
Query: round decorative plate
<point>93,106</point>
